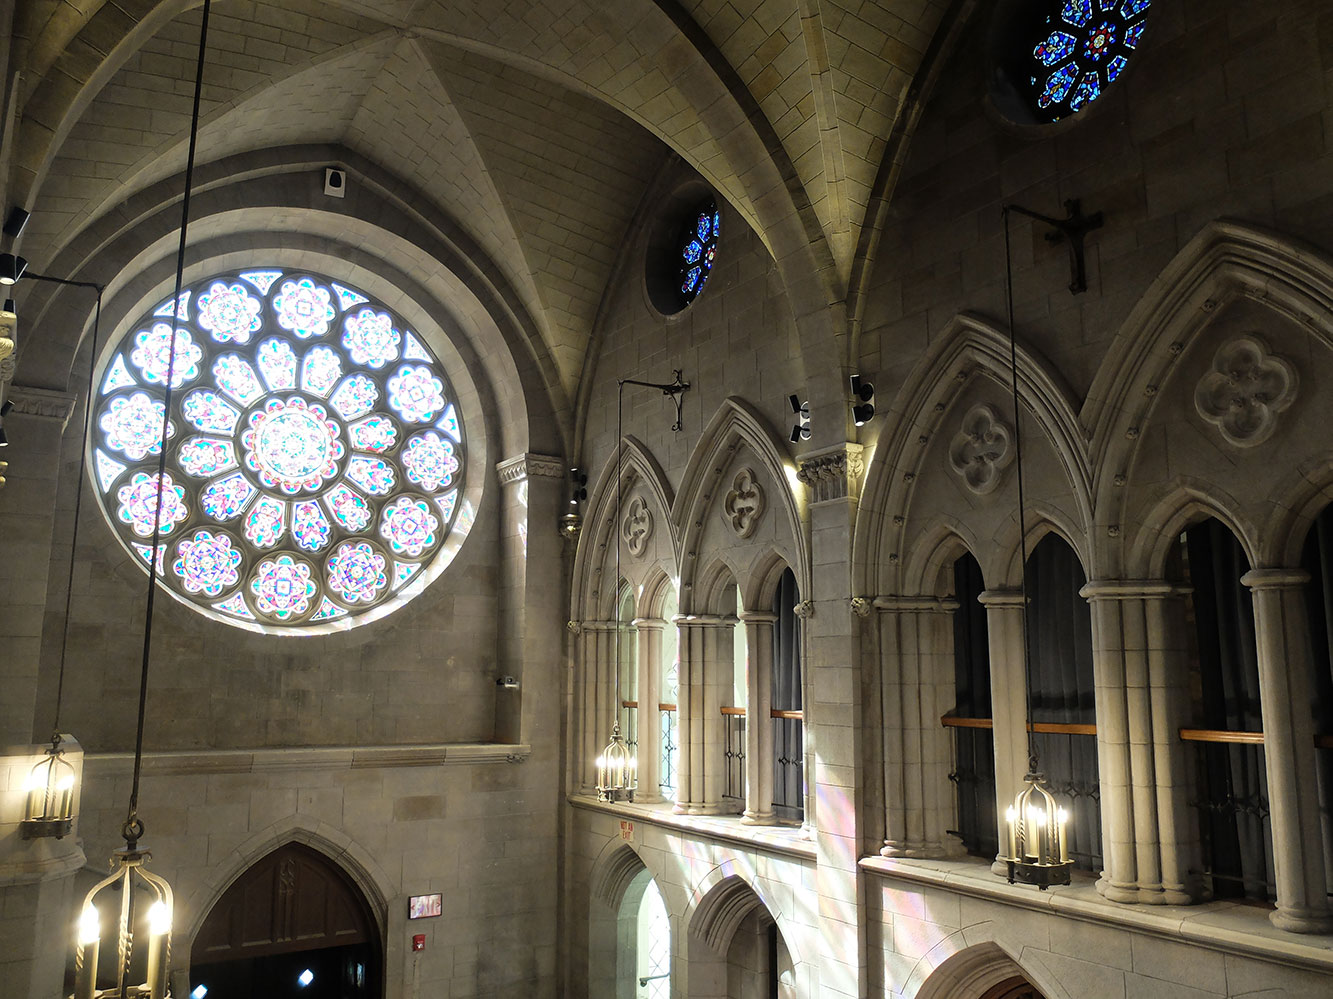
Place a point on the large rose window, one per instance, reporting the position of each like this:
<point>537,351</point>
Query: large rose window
<point>314,454</point>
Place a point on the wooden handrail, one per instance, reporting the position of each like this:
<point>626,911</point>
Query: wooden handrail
<point>1050,728</point>
<point>666,707</point>
<point>728,710</point>
<point>629,704</point>
<point>780,713</point>
<point>1222,735</point>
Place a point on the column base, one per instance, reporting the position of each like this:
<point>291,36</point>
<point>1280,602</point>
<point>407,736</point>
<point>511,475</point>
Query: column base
<point>951,848</point>
<point>1154,894</point>
<point>758,819</point>
<point>1302,920</point>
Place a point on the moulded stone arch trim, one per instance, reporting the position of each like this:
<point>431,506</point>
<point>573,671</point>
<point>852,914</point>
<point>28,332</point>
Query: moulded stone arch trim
<point>960,967</point>
<point>654,591</point>
<point>710,584</point>
<point>357,862</point>
<point>928,567</point>
<point>719,904</point>
<point>1040,519</point>
<point>1296,501</point>
<point>970,347</point>
<point>596,544</point>
<point>1226,261</point>
<point>1169,510</point>
<point>612,873</point>
<point>734,426</point>
<point>761,580</point>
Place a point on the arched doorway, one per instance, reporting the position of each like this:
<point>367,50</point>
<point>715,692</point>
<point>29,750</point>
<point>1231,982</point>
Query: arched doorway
<point>294,926</point>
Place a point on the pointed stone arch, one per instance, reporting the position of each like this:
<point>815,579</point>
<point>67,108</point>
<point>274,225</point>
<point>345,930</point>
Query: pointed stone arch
<point>735,426</point>
<point>941,542</point>
<point>970,348</point>
<point>980,971</point>
<point>721,901</point>
<point>1298,499</point>
<point>1183,502</point>
<point>599,532</point>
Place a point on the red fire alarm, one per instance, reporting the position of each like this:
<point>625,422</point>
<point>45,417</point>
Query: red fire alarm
<point>419,942</point>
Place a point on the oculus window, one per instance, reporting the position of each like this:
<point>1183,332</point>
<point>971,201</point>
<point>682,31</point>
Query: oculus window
<point>698,247</point>
<point>314,453</point>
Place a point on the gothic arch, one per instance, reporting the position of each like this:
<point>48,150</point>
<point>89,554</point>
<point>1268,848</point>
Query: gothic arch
<point>1183,502</point>
<point>972,972</point>
<point>1041,520</point>
<point>721,900</point>
<point>968,349</point>
<point>1297,499</point>
<point>735,426</point>
<point>597,542</point>
<point>930,563</point>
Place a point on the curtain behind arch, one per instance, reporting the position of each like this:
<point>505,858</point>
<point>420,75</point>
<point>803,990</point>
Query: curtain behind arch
<point>1317,560</point>
<point>974,748</point>
<point>788,733</point>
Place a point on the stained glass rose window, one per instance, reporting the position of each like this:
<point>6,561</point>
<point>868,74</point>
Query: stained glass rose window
<point>698,248</point>
<point>314,451</point>
<point>1079,48</point>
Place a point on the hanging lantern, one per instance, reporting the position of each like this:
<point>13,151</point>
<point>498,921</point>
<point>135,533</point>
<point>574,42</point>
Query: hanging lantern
<point>144,905</point>
<point>617,770</point>
<point>1036,837</point>
<point>50,796</point>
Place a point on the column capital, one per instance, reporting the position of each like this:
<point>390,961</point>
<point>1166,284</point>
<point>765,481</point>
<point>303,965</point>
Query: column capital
<point>833,473</point>
<point>1275,579</point>
<point>1132,589</point>
<point>527,466</point>
<point>903,604</point>
<point>758,617</point>
<point>703,621</point>
<point>1001,598</point>
<point>649,623</point>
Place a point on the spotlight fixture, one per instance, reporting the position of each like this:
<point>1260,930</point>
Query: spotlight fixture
<point>572,521</point>
<point>6,406</point>
<point>15,221</point>
<point>4,439</point>
<point>801,430</point>
<point>863,401</point>
<point>11,268</point>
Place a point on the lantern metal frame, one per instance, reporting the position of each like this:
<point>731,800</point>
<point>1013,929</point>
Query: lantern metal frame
<point>51,785</point>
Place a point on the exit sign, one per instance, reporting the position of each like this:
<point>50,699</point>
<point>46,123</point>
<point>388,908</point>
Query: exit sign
<point>626,829</point>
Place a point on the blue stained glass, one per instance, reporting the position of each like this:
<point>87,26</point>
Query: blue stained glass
<point>1099,42</point>
<point>168,308</point>
<point>1114,68</point>
<point>108,469</point>
<point>409,526</point>
<point>1133,33</point>
<point>348,509</point>
<point>209,412</point>
<point>449,424</point>
<point>1057,85</point>
<point>375,433</point>
<point>207,563</point>
<point>310,527</point>
<point>697,250</point>
<point>430,461</point>
<point>277,364</point>
<point>224,499</point>
<point>283,587</point>
<point>263,280</point>
<point>1108,5</point>
<point>328,610</point>
<point>1077,12</point>
<point>1133,8</point>
<point>153,355</point>
<point>355,397</point>
<point>235,377</point>
<point>320,371</point>
<point>373,475</point>
<point>117,376</point>
<point>693,251</point>
<point>692,279</point>
<point>1089,89</point>
<point>235,605</point>
<point>266,522</point>
<point>447,503</point>
<point>356,572</point>
<point>1057,47</point>
<point>139,504</point>
<point>347,298</point>
<point>145,553</point>
<point>304,307</point>
<point>413,351</point>
<point>403,572</point>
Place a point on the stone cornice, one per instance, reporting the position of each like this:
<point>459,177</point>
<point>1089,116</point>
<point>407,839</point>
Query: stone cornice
<point>323,758</point>
<point>40,402</point>
<point>527,466</point>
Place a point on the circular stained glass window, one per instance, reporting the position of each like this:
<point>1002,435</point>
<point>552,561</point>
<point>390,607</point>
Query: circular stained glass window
<point>698,247</point>
<point>1078,49</point>
<point>314,452</point>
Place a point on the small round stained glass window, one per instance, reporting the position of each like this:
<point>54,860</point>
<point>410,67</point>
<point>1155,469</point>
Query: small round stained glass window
<point>1077,50</point>
<point>698,248</point>
<point>314,452</point>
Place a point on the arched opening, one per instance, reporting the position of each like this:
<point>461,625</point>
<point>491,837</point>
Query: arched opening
<point>1317,560</point>
<point>787,714</point>
<point>293,926</point>
<point>983,971</point>
<point>758,964</point>
<point>1064,711</point>
<point>733,681</point>
<point>627,665</point>
<point>1230,782</point>
<point>652,946</point>
<point>735,947</point>
<point>973,772</point>
<point>668,739</point>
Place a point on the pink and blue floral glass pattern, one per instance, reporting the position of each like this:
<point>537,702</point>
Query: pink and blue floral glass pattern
<point>152,355</point>
<point>409,526</point>
<point>230,313</point>
<point>139,504</point>
<point>1089,50</point>
<point>304,307</point>
<point>370,338</point>
<point>283,587</point>
<point>133,425</point>
<point>207,563</point>
<point>356,573</point>
<point>293,437</point>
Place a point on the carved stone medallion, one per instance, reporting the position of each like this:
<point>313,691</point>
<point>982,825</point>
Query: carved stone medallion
<point>637,527</point>
<point>1246,389</point>
<point>744,505</point>
<point>981,450</point>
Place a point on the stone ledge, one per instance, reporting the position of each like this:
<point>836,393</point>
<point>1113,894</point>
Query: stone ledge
<point>1225,927</point>
<point>784,839</point>
<point>245,761</point>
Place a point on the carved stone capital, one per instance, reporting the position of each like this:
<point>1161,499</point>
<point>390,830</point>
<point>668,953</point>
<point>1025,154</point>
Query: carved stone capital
<point>42,403</point>
<point>804,610</point>
<point>861,606</point>
<point>528,466</point>
<point>834,473</point>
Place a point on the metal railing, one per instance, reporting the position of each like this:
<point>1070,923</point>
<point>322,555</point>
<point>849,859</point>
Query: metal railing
<point>788,763</point>
<point>733,752</point>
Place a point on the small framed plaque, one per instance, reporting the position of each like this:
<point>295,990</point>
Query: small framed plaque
<point>425,906</point>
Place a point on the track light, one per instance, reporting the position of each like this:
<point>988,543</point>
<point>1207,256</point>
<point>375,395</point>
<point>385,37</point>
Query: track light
<point>4,440</point>
<point>572,521</point>
<point>11,268</point>
<point>6,406</point>
<point>863,401</point>
<point>801,431</point>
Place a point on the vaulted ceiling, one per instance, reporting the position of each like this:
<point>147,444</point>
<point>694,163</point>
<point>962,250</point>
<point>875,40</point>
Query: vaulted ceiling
<point>537,125</point>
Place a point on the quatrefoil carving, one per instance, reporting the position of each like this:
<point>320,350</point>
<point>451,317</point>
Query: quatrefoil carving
<point>1246,389</point>
<point>637,527</point>
<point>744,505</point>
<point>982,449</point>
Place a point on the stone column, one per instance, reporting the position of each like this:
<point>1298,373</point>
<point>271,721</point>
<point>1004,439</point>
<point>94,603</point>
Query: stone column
<point>28,512</point>
<point>758,720</point>
<point>917,687</point>
<point>596,715</point>
<point>699,709</point>
<point>1148,844</point>
<point>650,718</point>
<point>1008,687</point>
<point>833,715</point>
<point>1286,689</point>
